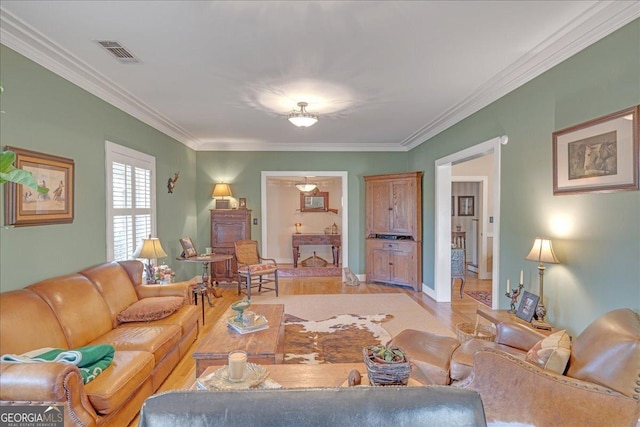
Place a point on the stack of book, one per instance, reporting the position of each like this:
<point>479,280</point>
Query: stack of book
<point>258,324</point>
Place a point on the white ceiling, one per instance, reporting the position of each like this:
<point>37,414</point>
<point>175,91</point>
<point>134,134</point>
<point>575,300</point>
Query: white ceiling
<point>384,75</point>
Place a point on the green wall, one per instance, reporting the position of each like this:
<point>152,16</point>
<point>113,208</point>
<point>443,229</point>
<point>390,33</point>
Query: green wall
<point>243,171</point>
<point>599,249</point>
<point>45,113</point>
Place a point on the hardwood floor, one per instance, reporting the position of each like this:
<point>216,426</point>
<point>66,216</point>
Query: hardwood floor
<point>449,314</point>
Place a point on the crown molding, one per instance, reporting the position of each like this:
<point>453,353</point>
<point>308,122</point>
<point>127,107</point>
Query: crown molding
<point>599,21</point>
<point>26,40</point>
<point>593,25</point>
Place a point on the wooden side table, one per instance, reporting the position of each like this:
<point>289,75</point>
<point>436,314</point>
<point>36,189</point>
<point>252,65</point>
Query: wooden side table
<point>503,316</point>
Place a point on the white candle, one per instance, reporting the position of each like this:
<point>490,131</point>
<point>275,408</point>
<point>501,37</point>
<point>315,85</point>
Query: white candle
<point>237,364</point>
<point>508,287</point>
<point>521,277</point>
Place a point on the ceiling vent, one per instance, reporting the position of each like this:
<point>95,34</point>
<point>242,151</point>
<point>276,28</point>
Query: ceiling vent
<point>118,51</point>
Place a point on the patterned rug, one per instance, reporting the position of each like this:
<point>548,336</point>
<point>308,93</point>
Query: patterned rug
<point>481,296</point>
<point>339,339</point>
<point>335,328</point>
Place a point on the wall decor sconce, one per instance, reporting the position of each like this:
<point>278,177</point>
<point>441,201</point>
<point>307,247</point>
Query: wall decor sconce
<point>172,182</point>
<point>221,190</point>
<point>298,225</point>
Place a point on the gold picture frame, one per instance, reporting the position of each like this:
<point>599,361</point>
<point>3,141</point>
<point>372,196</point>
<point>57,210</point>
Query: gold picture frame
<point>25,206</point>
<point>599,156</point>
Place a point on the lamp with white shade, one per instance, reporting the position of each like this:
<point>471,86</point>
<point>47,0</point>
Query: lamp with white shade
<point>151,249</point>
<point>306,186</point>
<point>221,190</point>
<point>542,252</point>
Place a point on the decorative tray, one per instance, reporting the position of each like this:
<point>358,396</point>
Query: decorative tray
<point>219,380</point>
<point>258,324</point>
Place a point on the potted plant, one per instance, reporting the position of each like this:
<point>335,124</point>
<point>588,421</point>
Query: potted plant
<point>386,365</point>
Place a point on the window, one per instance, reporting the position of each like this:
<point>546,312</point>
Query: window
<point>131,199</point>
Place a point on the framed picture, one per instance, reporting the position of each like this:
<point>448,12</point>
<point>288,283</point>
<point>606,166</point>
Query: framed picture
<point>242,203</point>
<point>600,155</point>
<point>318,202</point>
<point>188,248</point>
<point>527,307</point>
<point>465,205</point>
<point>453,205</point>
<point>25,206</point>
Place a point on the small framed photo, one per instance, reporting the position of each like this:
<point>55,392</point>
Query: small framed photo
<point>188,248</point>
<point>600,155</point>
<point>242,203</point>
<point>466,206</point>
<point>25,206</point>
<point>527,307</point>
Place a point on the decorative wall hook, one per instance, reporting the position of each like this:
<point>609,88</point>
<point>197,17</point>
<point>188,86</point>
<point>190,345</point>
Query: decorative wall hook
<point>172,182</point>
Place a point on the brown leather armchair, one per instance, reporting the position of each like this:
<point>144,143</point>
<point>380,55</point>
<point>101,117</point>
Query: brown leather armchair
<point>601,385</point>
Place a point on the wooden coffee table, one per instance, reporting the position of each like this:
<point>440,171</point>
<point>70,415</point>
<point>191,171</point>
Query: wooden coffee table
<point>264,347</point>
<point>323,375</point>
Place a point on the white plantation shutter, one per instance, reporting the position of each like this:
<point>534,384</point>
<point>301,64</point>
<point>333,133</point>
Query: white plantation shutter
<point>130,200</point>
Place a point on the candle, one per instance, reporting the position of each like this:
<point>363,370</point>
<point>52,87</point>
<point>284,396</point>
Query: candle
<point>521,277</point>
<point>237,364</point>
<point>508,287</point>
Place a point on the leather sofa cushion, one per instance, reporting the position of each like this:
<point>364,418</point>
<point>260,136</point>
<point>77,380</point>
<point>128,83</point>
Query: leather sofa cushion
<point>114,284</point>
<point>148,309</point>
<point>78,307</point>
<point>19,333</point>
<point>462,359</point>
<point>186,317</point>
<point>157,340</point>
<point>111,389</point>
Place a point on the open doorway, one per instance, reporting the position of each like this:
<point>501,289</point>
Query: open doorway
<point>443,235</point>
<point>279,216</point>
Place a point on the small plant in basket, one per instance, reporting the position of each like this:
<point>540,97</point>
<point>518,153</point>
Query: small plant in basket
<point>386,365</point>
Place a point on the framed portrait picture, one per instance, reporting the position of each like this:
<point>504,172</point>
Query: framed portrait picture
<point>527,307</point>
<point>600,155</point>
<point>242,203</point>
<point>466,205</point>
<point>188,248</point>
<point>25,206</point>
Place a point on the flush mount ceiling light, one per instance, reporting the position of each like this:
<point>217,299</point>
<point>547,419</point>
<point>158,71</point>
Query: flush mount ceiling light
<point>305,186</point>
<point>303,118</point>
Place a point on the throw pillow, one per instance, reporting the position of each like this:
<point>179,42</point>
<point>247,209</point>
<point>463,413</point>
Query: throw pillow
<point>552,352</point>
<point>148,309</point>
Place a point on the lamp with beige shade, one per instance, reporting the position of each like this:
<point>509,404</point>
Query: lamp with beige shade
<point>542,252</point>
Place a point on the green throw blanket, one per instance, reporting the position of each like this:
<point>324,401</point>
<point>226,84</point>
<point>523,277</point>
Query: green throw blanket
<point>91,360</point>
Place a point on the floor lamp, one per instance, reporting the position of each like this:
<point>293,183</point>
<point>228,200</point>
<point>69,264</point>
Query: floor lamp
<point>542,252</point>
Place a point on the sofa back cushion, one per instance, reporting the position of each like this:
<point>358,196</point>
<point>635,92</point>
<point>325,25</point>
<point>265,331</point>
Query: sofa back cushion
<point>78,306</point>
<point>115,285</point>
<point>28,323</point>
<point>607,352</point>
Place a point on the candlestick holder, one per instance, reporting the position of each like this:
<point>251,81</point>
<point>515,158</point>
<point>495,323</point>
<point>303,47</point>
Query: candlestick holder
<point>514,294</point>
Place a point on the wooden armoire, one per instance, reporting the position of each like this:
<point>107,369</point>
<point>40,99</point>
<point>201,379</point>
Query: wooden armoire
<point>227,227</point>
<point>393,209</point>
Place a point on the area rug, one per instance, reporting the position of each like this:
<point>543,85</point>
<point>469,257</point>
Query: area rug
<point>335,328</point>
<point>481,296</point>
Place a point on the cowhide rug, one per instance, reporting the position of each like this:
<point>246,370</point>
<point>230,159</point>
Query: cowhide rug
<point>338,339</point>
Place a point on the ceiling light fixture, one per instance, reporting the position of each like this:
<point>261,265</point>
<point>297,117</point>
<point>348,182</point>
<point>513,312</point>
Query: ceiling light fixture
<point>305,186</point>
<point>303,118</point>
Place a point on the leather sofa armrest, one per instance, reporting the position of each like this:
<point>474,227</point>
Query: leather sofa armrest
<point>47,383</point>
<point>517,336</point>
<point>178,289</point>
<point>513,390</point>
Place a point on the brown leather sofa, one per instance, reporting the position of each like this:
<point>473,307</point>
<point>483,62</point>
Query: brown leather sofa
<point>601,384</point>
<point>82,309</point>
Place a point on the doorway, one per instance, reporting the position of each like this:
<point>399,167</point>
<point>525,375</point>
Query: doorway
<point>444,179</point>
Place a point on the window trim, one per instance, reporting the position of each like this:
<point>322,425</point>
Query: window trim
<point>113,152</point>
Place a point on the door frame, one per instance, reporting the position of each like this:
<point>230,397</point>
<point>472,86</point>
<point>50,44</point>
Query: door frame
<point>442,243</point>
<point>344,249</point>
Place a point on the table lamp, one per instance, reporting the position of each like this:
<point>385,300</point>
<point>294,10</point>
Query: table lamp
<point>221,190</point>
<point>151,249</point>
<point>298,225</point>
<point>541,252</point>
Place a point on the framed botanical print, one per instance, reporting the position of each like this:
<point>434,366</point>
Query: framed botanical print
<point>25,206</point>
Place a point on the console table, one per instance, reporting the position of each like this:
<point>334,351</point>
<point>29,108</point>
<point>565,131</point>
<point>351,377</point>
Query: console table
<point>298,240</point>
